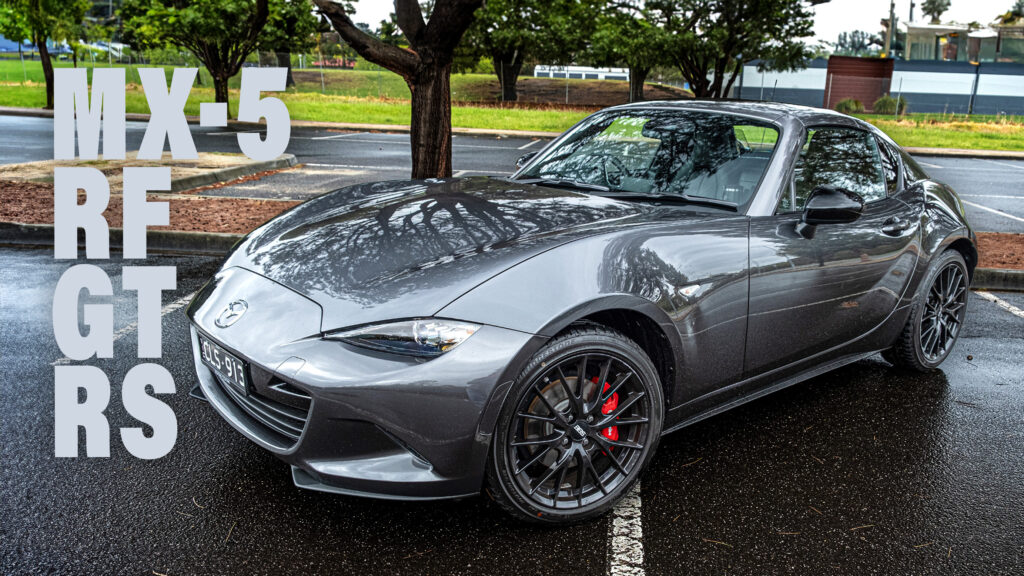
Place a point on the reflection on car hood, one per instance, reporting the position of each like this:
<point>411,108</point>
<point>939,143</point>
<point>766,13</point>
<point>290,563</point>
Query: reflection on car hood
<point>405,249</point>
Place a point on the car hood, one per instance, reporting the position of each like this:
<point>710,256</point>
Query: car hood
<point>405,249</point>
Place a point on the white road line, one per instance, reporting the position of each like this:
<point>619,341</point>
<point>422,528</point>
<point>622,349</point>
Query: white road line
<point>626,532</point>
<point>336,136</point>
<point>929,165</point>
<point>403,168</point>
<point>1002,196</point>
<point>179,303</point>
<point>1017,166</point>
<point>233,133</point>
<point>406,143</point>
<point>994,211</point>
<point>528,144</point>
<point>1001,303</point>
<point>358,166</point>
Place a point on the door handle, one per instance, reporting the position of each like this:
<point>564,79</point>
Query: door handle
<point>895,226</point>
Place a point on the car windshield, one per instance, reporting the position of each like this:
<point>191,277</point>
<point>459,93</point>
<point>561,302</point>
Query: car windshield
<point>666,154</point>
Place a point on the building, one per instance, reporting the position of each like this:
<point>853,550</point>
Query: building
<point>958,43</point>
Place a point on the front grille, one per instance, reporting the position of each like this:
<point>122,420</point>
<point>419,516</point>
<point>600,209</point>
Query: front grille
<point>283,420</point>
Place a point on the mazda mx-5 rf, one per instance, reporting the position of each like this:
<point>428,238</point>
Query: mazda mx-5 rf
<point>535,335</point>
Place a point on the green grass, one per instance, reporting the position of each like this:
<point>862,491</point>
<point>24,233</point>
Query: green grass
<point>352,96</point>
<point>319,107</point>
<point>973,135</point>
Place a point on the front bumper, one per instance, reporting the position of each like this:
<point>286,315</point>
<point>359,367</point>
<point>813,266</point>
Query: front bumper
<point>349,420</point>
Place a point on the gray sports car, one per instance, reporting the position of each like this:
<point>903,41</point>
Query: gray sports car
<point>653,266</point>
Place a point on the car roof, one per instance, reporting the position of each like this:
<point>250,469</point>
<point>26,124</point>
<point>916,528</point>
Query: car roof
<point>771,111</point>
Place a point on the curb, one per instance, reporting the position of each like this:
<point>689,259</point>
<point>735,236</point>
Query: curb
<point>232,172</point>
<point>998,279</point>
<point>14,233</point>
<point>213,243</point>
<point>403,129</point>
<point>396,128</point>
<point>962,153</point>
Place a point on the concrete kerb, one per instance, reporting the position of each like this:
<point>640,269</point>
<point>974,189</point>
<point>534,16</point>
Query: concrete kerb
<point>213,243</point>
<point>401,129</point>
<point>13,233</point>
<point>232,172</point>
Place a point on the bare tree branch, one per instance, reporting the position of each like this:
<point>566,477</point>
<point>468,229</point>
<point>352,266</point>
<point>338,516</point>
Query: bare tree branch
<point>410,20</point>
<point>446,17</point>
<point>403,62</point>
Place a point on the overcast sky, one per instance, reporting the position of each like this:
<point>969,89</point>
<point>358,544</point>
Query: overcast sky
<point>831,18</point>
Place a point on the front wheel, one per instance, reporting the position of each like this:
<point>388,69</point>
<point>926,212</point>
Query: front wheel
<point>936,318</point>
<point>578,427</point>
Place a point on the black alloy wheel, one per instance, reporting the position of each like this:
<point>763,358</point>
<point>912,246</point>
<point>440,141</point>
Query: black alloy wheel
<point>577,428</point>
<point>937,316</point>
<point>943,313</point>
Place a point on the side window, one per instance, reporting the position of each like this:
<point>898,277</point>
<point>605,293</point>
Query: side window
<point>890,167</point>
<point>912,171</point>
<point>839,157</point>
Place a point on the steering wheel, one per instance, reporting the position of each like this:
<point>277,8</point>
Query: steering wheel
<point>614,177</point>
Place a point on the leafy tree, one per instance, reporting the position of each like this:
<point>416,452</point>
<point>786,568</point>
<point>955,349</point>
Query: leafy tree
<point>711,39</point>
<point>1016,13</point>
<point>12,25</point>
<point>856,43</point>
<point>627,35</point>
<point>425,65</point>
<point>390,33</point>
<point>221,33</point>
<point>511,32</point>
<point>290,28</point>
<point>934,8</point>
<point>41,20</point>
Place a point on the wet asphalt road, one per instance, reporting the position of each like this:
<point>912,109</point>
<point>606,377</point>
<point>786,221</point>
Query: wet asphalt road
<point>861,471</point>
<point>334,159</point>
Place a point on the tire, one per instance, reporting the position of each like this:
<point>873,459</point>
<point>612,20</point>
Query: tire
<point>937,316</point>
<point>563,453</point>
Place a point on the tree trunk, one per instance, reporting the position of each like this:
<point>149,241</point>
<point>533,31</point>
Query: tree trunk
<point>220,90</point>
<point>44,56</point>
<point>431,126</point>
<point>74,57</point>
<point>508,67</point>
<point>637,77</point>
<point>284,60</point>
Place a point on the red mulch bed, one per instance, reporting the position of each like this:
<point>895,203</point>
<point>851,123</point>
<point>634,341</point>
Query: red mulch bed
<point>32,203</point>
<point>1000,250</point>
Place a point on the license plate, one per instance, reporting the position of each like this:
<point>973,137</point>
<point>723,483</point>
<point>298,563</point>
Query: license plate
<point>226,365</point>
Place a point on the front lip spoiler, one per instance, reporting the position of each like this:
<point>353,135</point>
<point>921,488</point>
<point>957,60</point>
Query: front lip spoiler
<point>305,480</point>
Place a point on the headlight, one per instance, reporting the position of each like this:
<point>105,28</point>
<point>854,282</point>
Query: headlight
<point>429,337</point>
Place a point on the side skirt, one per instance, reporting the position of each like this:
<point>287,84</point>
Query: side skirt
<point>786,383</point>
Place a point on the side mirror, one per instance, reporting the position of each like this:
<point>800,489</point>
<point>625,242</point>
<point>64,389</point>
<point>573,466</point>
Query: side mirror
<point>829,205</point>
<point>525,159</point>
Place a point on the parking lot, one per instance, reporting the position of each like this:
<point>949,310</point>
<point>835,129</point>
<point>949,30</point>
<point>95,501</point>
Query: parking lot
<point>865,470</point>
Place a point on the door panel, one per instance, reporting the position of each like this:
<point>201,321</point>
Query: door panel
<point>810,295</point>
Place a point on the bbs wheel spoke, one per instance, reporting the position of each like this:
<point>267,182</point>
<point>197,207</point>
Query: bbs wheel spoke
<point>563,456</point>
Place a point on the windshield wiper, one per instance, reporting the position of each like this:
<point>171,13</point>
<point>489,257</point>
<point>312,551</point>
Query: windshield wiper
<point>563,183</point>
<point>674,198</point>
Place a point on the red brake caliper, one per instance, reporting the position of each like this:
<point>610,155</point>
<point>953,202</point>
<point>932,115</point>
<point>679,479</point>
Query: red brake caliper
<point>612,432</point>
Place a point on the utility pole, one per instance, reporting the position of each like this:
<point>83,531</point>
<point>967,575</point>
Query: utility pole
<point>911,16</point>
<point>889,29</point>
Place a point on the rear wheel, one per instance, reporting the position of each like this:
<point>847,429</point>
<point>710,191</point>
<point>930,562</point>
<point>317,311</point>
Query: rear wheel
<point>938,314</point>
<point>577,428</point>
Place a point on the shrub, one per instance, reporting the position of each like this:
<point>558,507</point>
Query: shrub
<point>888,105</point>
<point>850,106</point>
